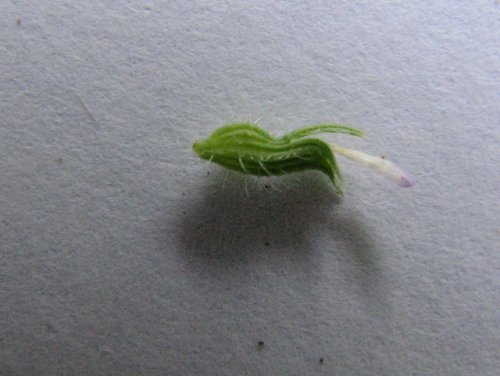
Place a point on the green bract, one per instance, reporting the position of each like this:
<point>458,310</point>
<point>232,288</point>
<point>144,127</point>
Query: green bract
<point>248,149</point>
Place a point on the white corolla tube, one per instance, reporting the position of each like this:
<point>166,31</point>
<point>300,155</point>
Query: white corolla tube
<point>382,165</point>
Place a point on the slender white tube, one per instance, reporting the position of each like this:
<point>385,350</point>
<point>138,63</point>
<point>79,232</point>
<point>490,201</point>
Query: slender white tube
<point>382,165</point>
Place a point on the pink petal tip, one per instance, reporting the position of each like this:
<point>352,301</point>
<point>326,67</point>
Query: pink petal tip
<point>406,181</point>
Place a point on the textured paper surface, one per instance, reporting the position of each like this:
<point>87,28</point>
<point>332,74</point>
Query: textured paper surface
<point>122,253</point>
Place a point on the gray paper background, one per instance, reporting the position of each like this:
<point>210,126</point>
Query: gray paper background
<point>122,253</point>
